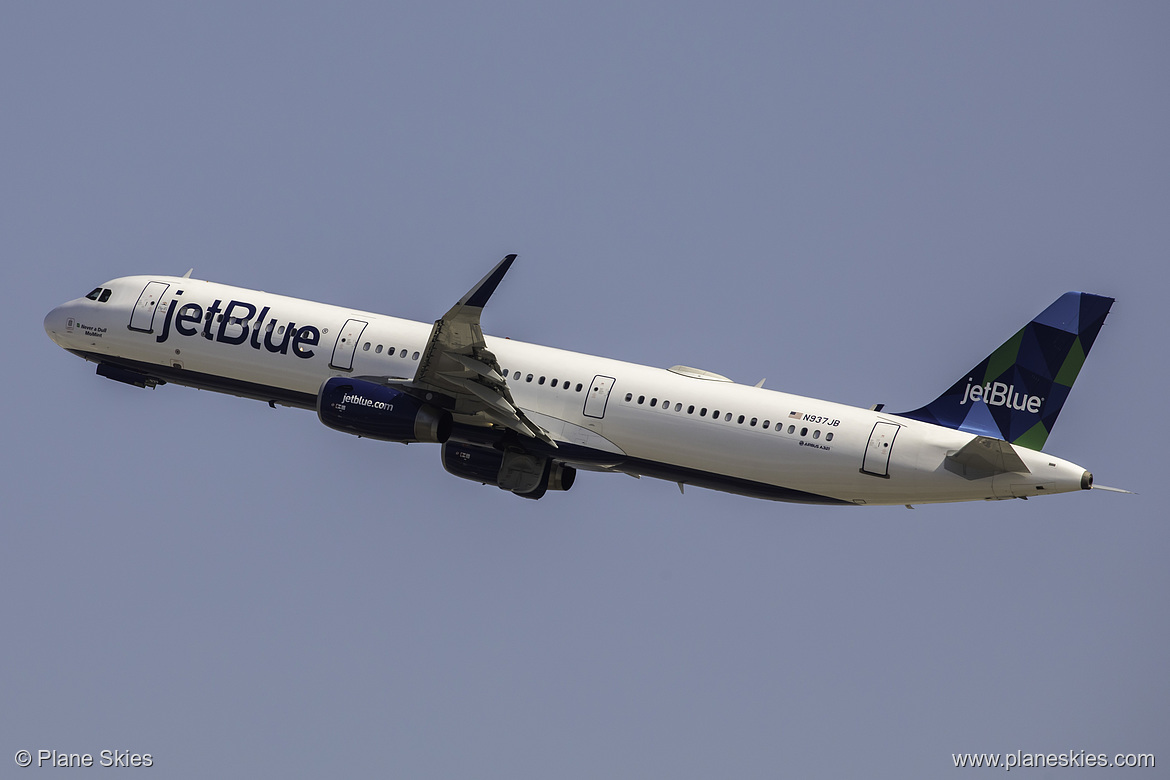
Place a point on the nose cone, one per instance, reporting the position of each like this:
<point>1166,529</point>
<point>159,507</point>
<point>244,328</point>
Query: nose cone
<point>58,323</point>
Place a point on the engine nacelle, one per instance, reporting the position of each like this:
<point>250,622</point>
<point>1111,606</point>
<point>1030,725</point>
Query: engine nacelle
<point>376,411</point>
<point>525,475</point>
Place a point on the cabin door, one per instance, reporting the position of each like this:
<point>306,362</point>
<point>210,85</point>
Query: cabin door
<point>347,342</point>
<point>142,318</point>
<point>877,452</point>
<point>598,396</point>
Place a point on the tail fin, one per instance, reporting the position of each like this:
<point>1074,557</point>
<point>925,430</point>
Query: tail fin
<point>1016,393</point>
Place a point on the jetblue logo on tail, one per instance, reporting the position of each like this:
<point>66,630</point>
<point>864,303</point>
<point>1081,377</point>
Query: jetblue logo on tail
<point>1017,391</point>
<point>1001,394</point>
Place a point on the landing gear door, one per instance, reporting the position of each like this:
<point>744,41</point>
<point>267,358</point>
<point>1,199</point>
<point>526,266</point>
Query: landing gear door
<point>142,318</point>
<point>877,452</point>
<point>347,342</point>
<point>598,396</point>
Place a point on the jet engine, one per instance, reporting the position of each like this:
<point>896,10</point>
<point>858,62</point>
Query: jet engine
<point>525,475</point>
<point>377,411</point>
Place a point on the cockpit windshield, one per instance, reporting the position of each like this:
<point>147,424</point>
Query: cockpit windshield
<point>99,294</point>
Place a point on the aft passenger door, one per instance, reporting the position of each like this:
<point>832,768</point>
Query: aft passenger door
<point>877,452</point>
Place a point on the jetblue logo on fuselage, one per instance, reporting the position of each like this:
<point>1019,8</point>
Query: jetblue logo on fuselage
<point>1000,394</point>
<point>237,323</point>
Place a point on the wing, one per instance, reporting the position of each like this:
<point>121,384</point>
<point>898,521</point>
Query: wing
<point>456,363</point>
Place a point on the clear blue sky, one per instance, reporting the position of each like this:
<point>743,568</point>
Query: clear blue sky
<point>855,201</point>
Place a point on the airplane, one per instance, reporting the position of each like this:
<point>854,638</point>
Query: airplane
<point>526,418</point>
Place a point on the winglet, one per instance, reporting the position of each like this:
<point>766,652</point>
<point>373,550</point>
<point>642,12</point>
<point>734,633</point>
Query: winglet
<point>478,296</point>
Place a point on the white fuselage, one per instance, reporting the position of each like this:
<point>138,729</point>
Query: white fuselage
<point>607,414</point>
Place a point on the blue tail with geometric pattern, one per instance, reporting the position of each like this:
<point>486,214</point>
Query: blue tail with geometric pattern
<point>1016,393</point>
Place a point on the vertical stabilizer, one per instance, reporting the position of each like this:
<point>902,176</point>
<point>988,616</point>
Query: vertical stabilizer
<point>1016,393</point>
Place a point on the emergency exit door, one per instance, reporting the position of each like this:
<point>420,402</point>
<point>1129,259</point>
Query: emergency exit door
<point>598,396</point>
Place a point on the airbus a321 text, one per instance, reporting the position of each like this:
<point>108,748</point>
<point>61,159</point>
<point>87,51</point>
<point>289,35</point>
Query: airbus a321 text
<point>527,418</point>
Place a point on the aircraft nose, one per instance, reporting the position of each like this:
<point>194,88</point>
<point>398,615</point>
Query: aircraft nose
<point>57,323</point>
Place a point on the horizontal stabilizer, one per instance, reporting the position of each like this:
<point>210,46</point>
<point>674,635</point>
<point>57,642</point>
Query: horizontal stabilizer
<point>984,456</point>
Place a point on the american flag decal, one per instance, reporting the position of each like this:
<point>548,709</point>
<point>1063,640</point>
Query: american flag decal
<point>795,415</point>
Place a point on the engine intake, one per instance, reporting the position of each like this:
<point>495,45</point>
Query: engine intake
<point>377,411</point>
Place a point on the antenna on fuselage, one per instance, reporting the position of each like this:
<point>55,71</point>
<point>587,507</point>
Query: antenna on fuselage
<point>188,274</point>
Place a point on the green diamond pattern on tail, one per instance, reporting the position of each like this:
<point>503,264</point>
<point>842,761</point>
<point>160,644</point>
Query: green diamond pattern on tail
<point>1017,392</point>
<point>1002,359</point>
<point>1072,365</point>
